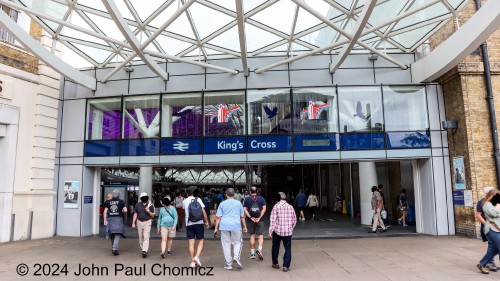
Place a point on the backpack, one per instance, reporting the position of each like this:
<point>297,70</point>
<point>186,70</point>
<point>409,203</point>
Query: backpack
<point>255,209</point>
<point>195,211</point>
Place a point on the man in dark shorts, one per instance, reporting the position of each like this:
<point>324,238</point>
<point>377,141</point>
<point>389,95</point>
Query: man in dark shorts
<point>194,229</point>
<point>254,214</point>
<point>300,202</point>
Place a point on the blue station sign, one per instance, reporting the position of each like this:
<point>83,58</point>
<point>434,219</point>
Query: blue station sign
<point>225,145</point>
<point>269,143</point>
<point>180,146</point>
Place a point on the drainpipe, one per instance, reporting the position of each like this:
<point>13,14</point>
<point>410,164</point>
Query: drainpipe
<point>491,103</point>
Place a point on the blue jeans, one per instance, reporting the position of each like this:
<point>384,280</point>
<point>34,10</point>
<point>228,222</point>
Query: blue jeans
<point>493,247</point>
<point>287,243</point>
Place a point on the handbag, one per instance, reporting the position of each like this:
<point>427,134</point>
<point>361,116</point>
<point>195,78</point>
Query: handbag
<point>383,214</point>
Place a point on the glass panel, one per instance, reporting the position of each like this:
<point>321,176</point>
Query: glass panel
<point>181,115</point>
<point>358,141</point>
<point>360,109</point>
<point>405,108</point>
<point>141,117</point>
<point>408,140</point>
<point>269,112</point>
<point>103,119</point>
<point>224,114</point>
<point>314,110</point>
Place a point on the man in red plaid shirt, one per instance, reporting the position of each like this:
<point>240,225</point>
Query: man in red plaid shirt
<point>282,222</point>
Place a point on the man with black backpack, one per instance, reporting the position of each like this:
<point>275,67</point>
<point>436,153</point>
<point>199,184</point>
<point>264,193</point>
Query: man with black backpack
<point>255,208</point>
<point>196,217</point>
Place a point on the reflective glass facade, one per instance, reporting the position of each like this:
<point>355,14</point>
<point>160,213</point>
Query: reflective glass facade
<point>272,120</point>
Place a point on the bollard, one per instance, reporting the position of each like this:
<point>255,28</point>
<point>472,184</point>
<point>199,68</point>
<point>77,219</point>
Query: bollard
<point>12,224</point>
<point>30,224</point>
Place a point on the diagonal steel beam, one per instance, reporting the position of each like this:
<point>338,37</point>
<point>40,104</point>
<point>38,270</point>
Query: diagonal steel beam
<point>346,34</point>
<point>140,48</point>
<point>292,31</point>
<point>132,40</point>
<point>241,33</point>
<point>195,30</point>
<point>44,55</point>
<point>360,25</point>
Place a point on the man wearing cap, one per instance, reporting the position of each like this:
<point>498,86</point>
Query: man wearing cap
<point>144,211</point>
<point>114,209</point>
<point>282,222</point>
<point>230,218</point>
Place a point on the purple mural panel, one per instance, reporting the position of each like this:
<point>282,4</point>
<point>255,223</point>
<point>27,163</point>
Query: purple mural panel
<point>189,124</point>
<point>110,124</point>
<point>129,128</point>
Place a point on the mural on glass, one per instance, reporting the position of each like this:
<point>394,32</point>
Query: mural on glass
<point>269,112</point>
<point>360,109</point>
<point>315,110</point>
<point>182,115</point>
<point>224,113</point>
<point>104,118</point>
<point>141,117</point>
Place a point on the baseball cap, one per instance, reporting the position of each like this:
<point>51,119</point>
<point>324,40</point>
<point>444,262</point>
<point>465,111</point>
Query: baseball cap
<point>144,194</point>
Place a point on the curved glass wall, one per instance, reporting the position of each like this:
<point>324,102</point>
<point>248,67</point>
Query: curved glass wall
<point>182,115</point>
<point>103,119</point>
<point>141,117</point>
<point>224,113</point>
<point>315,111</point>
<point>269,112</point>
<point>360,109</point>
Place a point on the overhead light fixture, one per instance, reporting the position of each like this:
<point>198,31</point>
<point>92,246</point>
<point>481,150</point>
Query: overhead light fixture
<point>373,57</point>
<point>128,69</point>
<point>450,124</point>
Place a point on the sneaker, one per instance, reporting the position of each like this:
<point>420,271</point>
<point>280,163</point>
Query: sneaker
<point>162,255</point>
<point>384,230</point>
<point>252,256</point>
<point>400,222</point>
<point>169,253</point>
<point>115,252</point>
<point>276,266</point>
<point>492,266</point>
<point>286,269</point>
<point>371,231</point>
<point>405,225</point>
<point>196,260</point>
<point>192,264</point>
<point>144,254</point>
<point>238,264</point>
<point>259,254</point>
<point>483,269</point>
<point>228,267</point>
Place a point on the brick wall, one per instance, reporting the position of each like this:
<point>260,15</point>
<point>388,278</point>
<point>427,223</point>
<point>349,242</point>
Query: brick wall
<point>464,89</point>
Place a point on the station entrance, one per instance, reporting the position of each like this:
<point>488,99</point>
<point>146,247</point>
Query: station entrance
<point>344,199</point>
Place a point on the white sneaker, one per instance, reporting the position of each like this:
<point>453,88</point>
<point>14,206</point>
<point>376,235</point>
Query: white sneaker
<point>192,264</point>
<point>238,264</point>
<point>405,224</point>
<point>228,267</point>
<point>252,256</point>
<point>196,260</point>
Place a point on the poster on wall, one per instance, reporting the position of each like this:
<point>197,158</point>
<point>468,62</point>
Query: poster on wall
<point>71,193</point>
<point>458,173</point>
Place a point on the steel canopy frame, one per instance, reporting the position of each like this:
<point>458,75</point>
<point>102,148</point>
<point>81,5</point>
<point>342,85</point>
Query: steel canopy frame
<point>44,55</point>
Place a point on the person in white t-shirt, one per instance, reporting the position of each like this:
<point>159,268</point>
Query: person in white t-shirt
<point>194,229</point>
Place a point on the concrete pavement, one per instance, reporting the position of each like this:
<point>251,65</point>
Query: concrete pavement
<point>416,257</point>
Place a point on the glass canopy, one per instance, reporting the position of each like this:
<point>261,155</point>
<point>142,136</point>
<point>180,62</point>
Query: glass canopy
<point>124,32</point>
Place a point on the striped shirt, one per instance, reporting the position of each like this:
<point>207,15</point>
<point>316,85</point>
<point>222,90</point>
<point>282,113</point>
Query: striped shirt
<point>283,219</point>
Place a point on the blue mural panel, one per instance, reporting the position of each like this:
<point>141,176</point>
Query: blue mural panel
<point>102,148</point>
<point>315,142</point>
<point>359,141</point>
<point>408,140</point>
<point>180,146</point>
<point>224,145</point>
<point>140,147</point>
<point>269,144</point>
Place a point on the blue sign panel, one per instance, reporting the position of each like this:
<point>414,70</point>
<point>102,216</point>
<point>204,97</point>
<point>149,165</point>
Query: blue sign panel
<point>140,147</point>
<point>180,146</point>
<point>359,141</point>
<point>87,199</point>
<point>315,142</point>
<point>458,198</point>
<point>225,145</point>
<point>102,148</point>
<point>269,144</point>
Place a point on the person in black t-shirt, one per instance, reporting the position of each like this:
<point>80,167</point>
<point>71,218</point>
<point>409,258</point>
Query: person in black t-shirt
<point>114,210</point>
<point>254,207</point>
